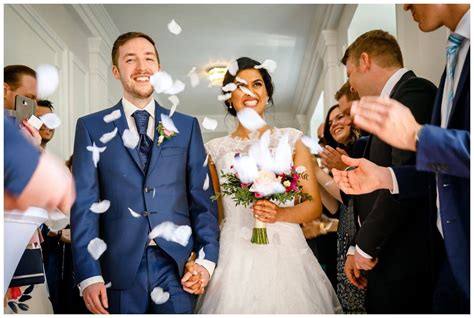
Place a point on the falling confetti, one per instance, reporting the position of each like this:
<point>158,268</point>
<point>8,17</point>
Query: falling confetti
<point>96,248</point>
<point>175,102</point>
<point>246,167</point>
<point>100,207</point>
<point>312,144</point>
<point>112,116</point>
<point>130,138</point>
<point>205,186</point>
<point>161,81</point>
<point>168,123</point>
<point>201,254</point>
<point>209,123</point>
<point>224,97</point>
<point>172,232</point>
<point>241,80</point>
<point>204,164</point>
<point>247,91</point>
<point>176,88</point>
<point>229,87</point>
<point>134,214</point>
<point>108,136</point>
<point>159,296</point>
<point>95,153</point>
<point>47,79</point>
<point>233,68</point>
<point>250,119</point>
<point>269,65</point>
<point>108,285</point>
<point>51,120</point>
<point>193,77</point>
<point>174,27</point>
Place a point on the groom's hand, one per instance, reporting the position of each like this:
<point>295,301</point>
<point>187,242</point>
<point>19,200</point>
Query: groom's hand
<point>195,278</point>
<point>95,298</point>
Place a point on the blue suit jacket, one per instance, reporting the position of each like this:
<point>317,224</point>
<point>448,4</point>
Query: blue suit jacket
<point>171,190</point>
<point>446,152</point>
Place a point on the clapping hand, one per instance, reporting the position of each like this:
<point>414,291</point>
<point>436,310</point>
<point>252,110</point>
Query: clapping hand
<point>331,158</point>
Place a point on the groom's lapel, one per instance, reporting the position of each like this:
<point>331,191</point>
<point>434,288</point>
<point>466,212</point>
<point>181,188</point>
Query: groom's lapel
<point>121,125</point>
<point>156,150</point>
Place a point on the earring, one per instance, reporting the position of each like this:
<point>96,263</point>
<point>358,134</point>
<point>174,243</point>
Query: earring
<point>230,106</point>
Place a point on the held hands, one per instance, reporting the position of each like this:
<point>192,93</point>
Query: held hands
<point>388,119</point>
<point>266,211</point>
<point>195,278</point>
<point>367,177</point>
<point>331,158</point>
<point>95,298</point>
<point>353,273</point>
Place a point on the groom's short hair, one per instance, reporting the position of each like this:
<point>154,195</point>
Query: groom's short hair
<point>124,38</point>
<point>379,45</point>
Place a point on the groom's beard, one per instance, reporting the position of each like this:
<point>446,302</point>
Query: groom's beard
<point>141,93</point>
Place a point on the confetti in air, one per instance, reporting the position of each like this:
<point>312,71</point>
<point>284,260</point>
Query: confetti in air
<point>205,186</point>
<point>233,68</point>
<point>175,102</point>
<point>193,77</point>
<point>96,248</point>
<point>112,116</point>
<point>250,119</point>
<point>161,81</point>
<point>108,136</point>
<point>312,144</point>
<point>269,65</point>
<point>209,123</point>
<point>224,97</point>
<point>241,80</point>
<point>174,27</point>
<point>247,91</point>
<point>95,153</point>
<point>176,88</point>
<point>172,232</point>
<point>100,207</point>
<point>204,164</point>
<point>229,87</point>
<point>47,79</point>
<point>51,120</point>
<point>201,254</point>
<point>130,138</point>
<point>159,296</point>
<point>168,123</point>
<point>108,285</point>
<point>133,213</point>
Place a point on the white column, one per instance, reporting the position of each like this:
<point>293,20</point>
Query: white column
<point>331,67</point>
<point>99,62</point>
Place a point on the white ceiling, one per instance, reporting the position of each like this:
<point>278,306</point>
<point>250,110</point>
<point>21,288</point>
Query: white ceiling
<point>219,33</point>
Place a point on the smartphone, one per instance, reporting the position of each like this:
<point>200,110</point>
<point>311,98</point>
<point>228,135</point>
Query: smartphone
<point>24,108</point>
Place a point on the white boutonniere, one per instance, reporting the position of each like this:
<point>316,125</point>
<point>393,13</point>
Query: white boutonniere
<point>166,129</point>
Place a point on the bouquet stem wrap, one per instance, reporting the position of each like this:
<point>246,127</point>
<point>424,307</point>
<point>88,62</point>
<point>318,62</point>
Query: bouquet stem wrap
<point>259,233</point>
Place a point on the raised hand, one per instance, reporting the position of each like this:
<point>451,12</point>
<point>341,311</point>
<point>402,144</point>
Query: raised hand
<point>365,178</point>
<point>353,274</point>
<point>388,119</point>
<point>331,158</point>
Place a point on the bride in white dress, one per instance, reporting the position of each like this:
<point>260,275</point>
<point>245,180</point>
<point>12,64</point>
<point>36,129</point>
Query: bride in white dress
<point>282,276</point>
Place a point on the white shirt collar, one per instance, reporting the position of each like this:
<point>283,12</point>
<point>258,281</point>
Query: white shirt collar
<point>463,27</point>
<point>392,81</point>
<point>129,108</point>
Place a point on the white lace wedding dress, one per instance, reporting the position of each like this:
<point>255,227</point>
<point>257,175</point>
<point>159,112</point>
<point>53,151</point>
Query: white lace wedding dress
<point>281,277</point>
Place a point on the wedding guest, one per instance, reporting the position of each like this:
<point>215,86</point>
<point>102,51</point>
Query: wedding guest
<point>389,228</point>
<point>442,149</point>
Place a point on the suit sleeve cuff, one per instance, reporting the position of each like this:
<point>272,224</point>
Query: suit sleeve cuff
<point>361,252</point>
<point>89,281</point>
<point>395,189</point>
<point>208,265</point>
<point>350,251</point>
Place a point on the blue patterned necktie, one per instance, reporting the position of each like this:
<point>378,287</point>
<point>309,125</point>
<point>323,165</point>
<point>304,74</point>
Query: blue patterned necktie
<point>454,43</point>
<point>145,143</point>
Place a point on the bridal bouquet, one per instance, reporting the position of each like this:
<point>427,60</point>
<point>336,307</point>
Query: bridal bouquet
<point>264,175</point>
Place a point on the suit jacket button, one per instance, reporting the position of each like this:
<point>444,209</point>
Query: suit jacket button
<point>148,189</point>
<point>445,185</point>
<point>146,213</point>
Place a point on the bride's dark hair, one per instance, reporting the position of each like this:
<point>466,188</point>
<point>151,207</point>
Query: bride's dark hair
<point>246,63</point>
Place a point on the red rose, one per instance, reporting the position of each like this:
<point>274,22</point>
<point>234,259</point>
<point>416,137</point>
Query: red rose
<point>15,292</point>
<point>258,195</point>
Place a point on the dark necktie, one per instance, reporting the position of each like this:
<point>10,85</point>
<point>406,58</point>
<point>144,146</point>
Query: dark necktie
<point>145,143</point>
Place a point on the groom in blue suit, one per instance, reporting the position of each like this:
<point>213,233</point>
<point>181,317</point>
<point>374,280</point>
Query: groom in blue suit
<point>146,186</point>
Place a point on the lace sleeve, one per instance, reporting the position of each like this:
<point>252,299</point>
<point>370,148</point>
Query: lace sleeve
<point>293,136</point>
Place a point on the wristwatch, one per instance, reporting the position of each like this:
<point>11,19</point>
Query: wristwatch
<point>417,136</point>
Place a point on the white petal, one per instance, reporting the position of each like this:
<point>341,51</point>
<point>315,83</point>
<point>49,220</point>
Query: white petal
<point>312,144</point>
<point>230,87</point>
<point>233,68</point>
<point>100,207</point>
<point>171,232</point>
<point>47,79</point>
<point>246,167</point>
<point>193,77</point>
<point>130,138</point>
<point>182,234</point>
<point>209,123</point>
<point>205,161</point>
<point>134,214</point>
<point>174,27</point>
<point>224,97</point>
<point>247,91</point>
<point>159,296</point>
<point>241,80</point>
<point>250,119</point>
<point>168,123</point>
<point>269,65</point>
<point>161,81</point>
<point>175,102</point>
<point>51,120</point>
<point>108,285</point>
<point>201,254</point>
<point>95,152</point>
<point>96,247</point>
<point>176,88</point>
<point>108,136</point>
<point>205,186</point>
<point>283,158</point>
<point>154,193</point>
<point>112,116</point>
<point>57,220</point>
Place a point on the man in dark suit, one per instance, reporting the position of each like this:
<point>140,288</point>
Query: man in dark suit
<point>443,150</point>
<point>158,180</point>
<point>392,243</point>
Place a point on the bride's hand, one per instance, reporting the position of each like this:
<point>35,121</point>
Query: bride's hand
<point>266,211</point>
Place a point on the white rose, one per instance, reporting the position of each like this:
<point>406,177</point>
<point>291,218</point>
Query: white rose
<point>287,183</point>
<point>266,183</point>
